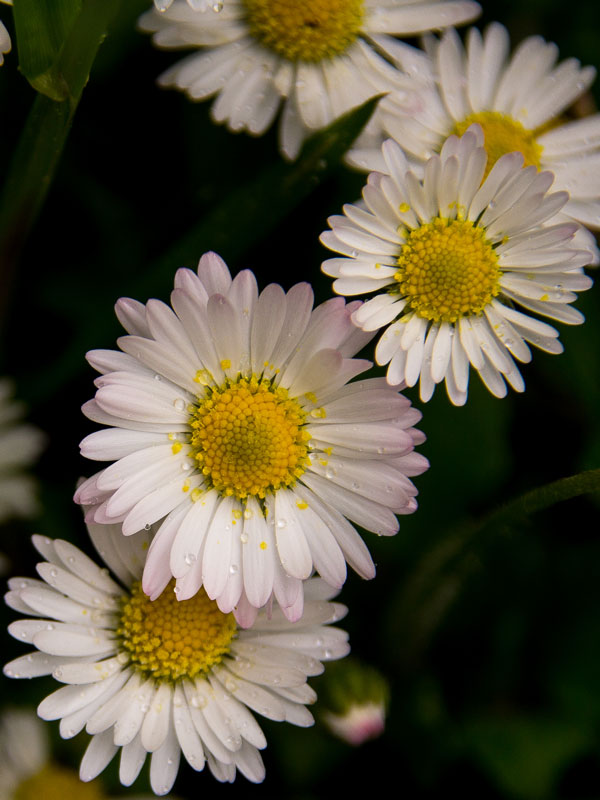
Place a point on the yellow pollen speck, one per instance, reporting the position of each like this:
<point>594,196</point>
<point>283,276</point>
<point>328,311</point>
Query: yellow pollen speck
<point>176,448</point>
<point>503,134</point>
<point>54,782</point>
<point>544,297</point>
<point>196,494</point>
<point>167,640</point>
<point>186,486</point>
<point>311,30</point>
<point>263,545</point>
<point>301,505</point>
<point>248,438</point>
<point>404,207</point>
<point>225,363</point>
<point>448,269</point>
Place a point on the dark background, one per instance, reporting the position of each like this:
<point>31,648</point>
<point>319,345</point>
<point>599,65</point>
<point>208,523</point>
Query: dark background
<point>490,641</point>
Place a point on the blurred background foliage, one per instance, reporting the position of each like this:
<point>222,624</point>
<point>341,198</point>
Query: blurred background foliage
<point>485,625</point>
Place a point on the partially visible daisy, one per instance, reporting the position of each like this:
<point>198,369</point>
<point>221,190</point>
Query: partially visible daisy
<point>23,749</point>
<point>453,261</point>
<point>5,43</point>
<point>319,58</point>
<point>163,677</point>
<point>234,425</point>
<point>27,768</point>
<point>518,100</point>
<point>20,444</point>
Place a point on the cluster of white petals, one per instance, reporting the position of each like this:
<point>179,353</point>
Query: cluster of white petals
<point>523,96</point>
<point>539,267</point>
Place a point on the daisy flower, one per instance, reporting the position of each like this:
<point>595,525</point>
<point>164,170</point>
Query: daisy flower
<point>5,43</point>
<point>518,100</point>
<point>162,677</point>
<point>319,57</point>
<point>452,259</point>
<point>20,444</point>
<point>234,425</point>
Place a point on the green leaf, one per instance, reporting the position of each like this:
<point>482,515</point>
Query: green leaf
<point>42,28</point>
<point>60,83</point>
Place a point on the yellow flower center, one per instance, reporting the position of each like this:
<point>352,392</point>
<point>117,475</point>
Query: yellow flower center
<point>447,269</point>
<point>167,639</point>
<point>503,134</point>
<point>248,438</point>
<point>54,782</point>
<point>305,30</point>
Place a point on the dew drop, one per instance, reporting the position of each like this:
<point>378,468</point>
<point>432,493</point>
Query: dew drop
<point>189,558</point>
<point>281,522</point>
<point>53,573</point>
<point>248,513</point>
<point>217,6</point>
<point>244,538</point>
<point>147,526</point>
<point>233,569</point>
<point>50,627</point>
<point>179,404</point>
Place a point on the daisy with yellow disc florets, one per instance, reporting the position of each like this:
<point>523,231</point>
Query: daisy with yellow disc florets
<point>458,266</point>
<point>519,101</point>
<point>318,57</point>
<point>162,677</point>
<point>234,425</point>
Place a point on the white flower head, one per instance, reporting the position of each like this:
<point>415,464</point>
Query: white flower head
<point>235,428</point>
<point>452,259</point>
<point>20,444</point>
<point>518,100</point>
<point>162,677</point>
<point>319,58</point>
